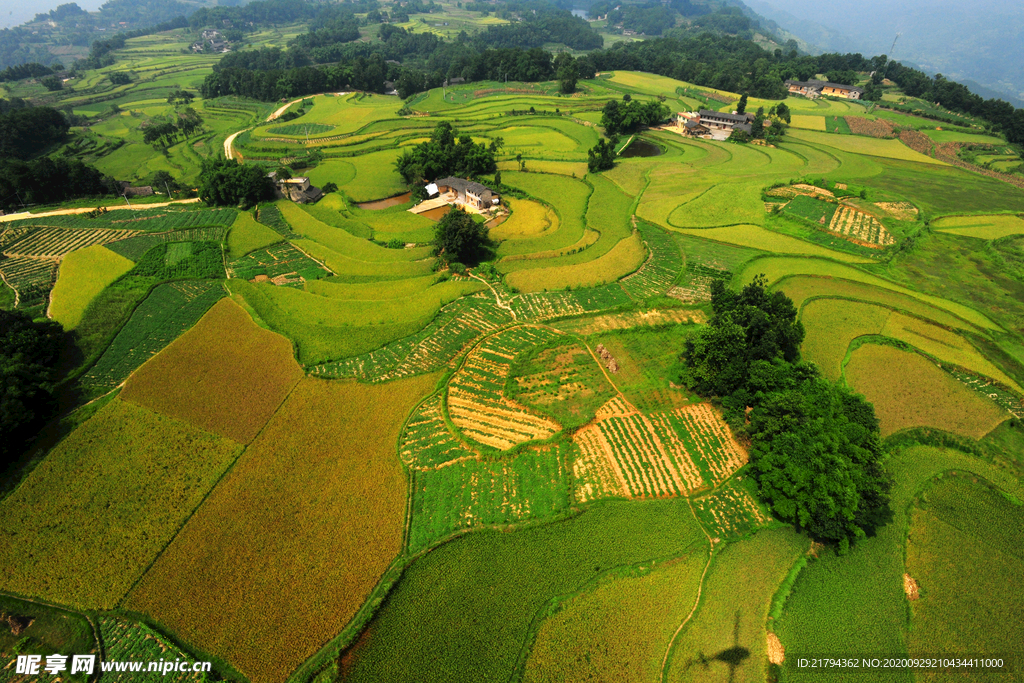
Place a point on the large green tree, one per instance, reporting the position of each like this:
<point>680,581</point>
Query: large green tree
<point>816,452</point>
<point>228,183</point>
<point>459,238</point>
<point>28,355</point>
<point>447,153</point>
<point>567,71</point>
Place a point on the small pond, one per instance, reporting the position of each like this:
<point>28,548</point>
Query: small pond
<point>386,203</point>
<point>436,213</point>
<point>641,148</point>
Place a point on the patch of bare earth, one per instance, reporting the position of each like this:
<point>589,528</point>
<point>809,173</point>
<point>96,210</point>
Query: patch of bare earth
<point>776,653</point>
<point>911,588</point>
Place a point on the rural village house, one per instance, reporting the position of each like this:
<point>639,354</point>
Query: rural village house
<point>297,190</point>
<point>714,124</point>
<point>468,192</point>
<point>814,89</point>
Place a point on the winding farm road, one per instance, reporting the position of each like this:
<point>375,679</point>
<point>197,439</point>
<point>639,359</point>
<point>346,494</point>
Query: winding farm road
<point>229,150</point>
<point>86,209</point>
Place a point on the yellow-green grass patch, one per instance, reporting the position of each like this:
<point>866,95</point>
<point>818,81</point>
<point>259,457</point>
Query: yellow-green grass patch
<point>964,552</point>
<point>569,168</point>
<point>225,375</point>
<point>831,324</point>
<point>375,176</point>
<point>982,227</point>
<point>724,204</point>
<point>346,266</point>
<point>89,519</point>
<point>736,596</point>
<point>284,552</point>
<point>328,327</point>
<point>625,257</point>
<point>247,235</point>
<point>653,84</point>
<point>756,237</point>
<point>83,275</point>
<point>809,122</point>
<point>919,394</point>
<point>777,267</point>
<point>945,345</point>
<point>802,288</point>
<point>529,219</point>
<point>890,149</point>
<point>619,629</point>
<point>342,241</point>
<point>372,291</point>
<point>568,196</point>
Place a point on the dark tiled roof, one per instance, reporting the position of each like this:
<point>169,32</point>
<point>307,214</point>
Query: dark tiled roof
<point>735,118</point>
<point>818,85</point>
<point>462,185</point>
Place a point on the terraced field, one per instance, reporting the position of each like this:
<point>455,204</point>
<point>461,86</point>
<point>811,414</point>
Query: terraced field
<point>334,460</point>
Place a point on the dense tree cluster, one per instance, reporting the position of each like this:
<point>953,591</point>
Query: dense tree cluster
<point>447,154</point>
<point>627,116</point>
<point>601,156</point>
<point>28,355</point>
<point>166,132</point>
<point>459,238</point>
<point>21,71</point>
<point>225,182</point>
<point>816,451</point>
<point>25,131</point>
<point>45,180</point>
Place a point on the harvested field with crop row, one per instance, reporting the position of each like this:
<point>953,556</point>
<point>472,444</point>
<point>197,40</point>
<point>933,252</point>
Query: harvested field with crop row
<point>850,222</point>
<point>731,511</point>
<point>547,305</point>
<point>474,493</point>
<point>135,248</point>
<point>454,329</point>
<point>168,311</point>
<point>125,640</point>
<point>281,264</point>
<point>30,278</point>
<point>660,270</point>
<point>625,453</point>
<point>476,402</point>
<point>55,242</point>
<point>624,321</point>
<point>427,442</point>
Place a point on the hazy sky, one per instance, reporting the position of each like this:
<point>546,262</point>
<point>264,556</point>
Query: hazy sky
<point>15,12</point>
<point>981,40</point>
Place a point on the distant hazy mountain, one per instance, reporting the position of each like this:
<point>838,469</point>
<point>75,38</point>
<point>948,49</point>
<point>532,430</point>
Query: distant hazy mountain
<point>17,12</point>
<point>980,41</point>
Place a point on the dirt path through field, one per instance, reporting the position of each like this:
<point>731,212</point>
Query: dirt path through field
<point>72,212</point>
<point>229,150</point>
<point>497,298</point>
<point>696,602</point>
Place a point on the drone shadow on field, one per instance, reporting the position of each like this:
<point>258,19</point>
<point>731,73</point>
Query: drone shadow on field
<point>732,657</point>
